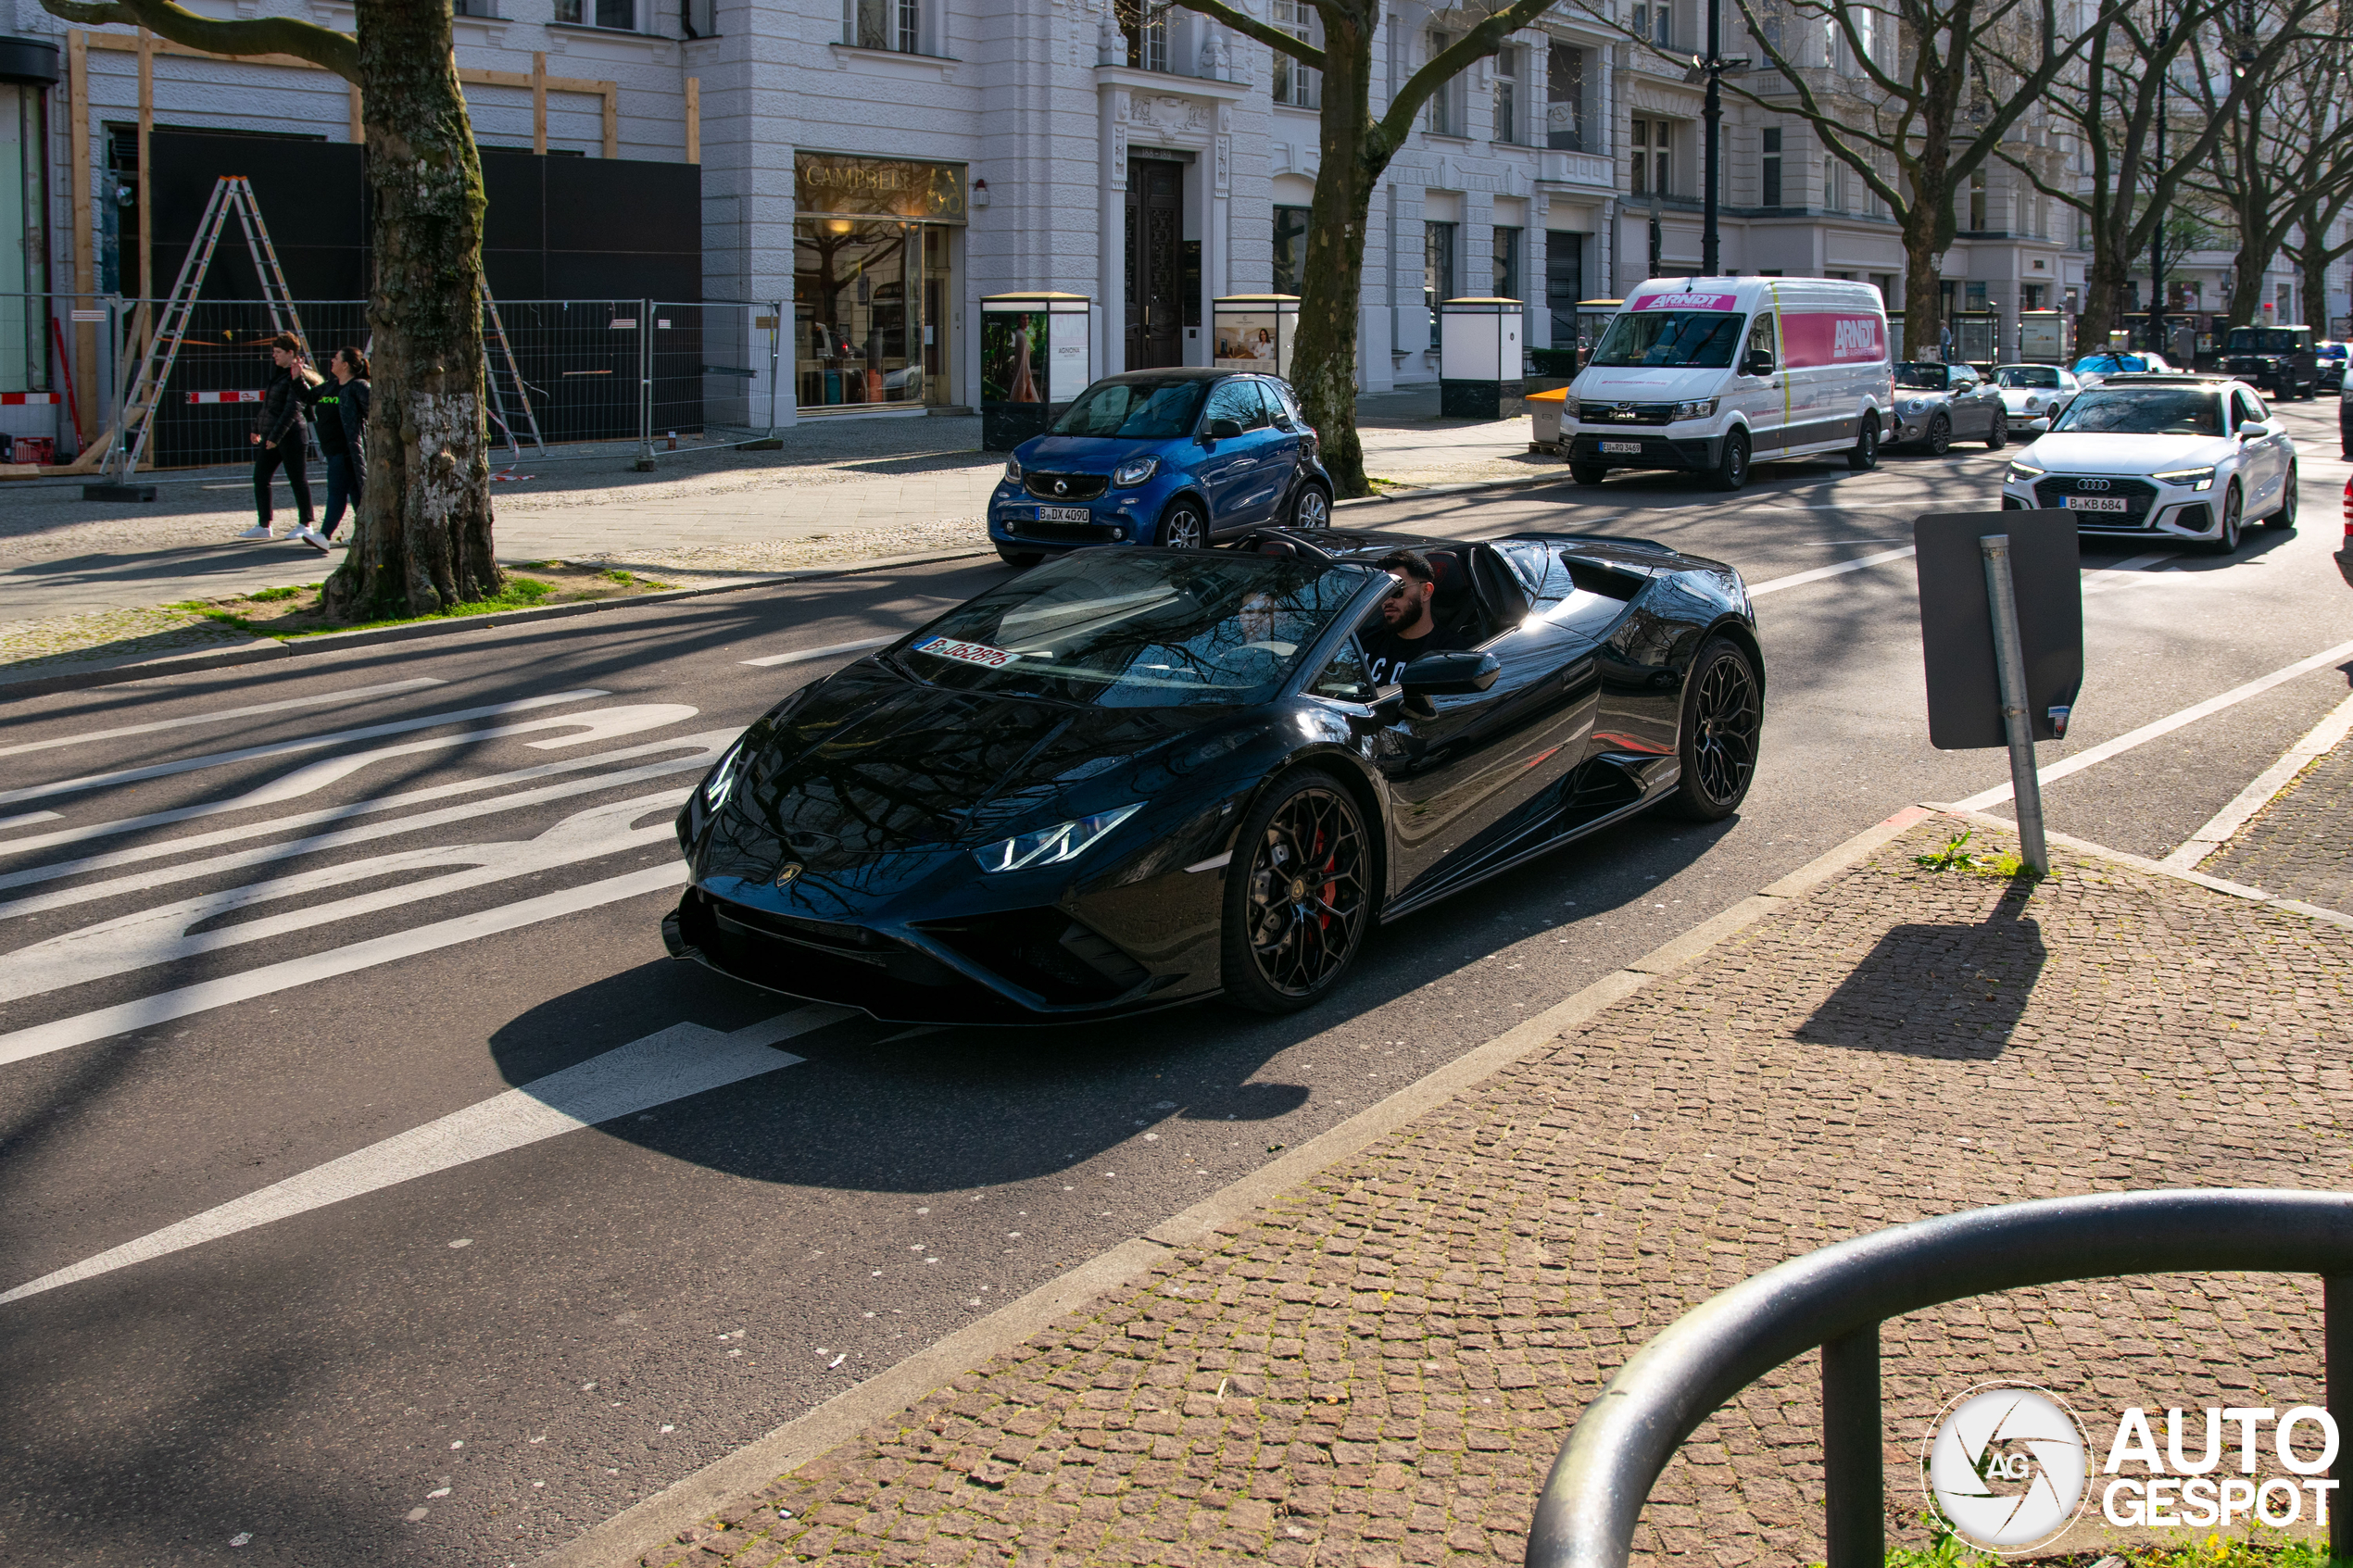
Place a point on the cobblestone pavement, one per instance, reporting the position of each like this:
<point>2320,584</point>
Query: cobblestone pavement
<point>2301,845</point>
<point>1379,1367</point>
<point>839,491</point>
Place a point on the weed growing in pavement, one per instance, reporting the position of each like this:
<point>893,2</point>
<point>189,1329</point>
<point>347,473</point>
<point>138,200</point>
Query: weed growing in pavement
<point>1947,1550</point>
<point>1954,855</point>
<point>263,596</point>
<point>2004,865</point>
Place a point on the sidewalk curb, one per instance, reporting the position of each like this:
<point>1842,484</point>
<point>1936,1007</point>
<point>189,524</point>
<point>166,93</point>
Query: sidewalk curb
<point>2317,742</point>
<point>687,1502</point>
<point>271,649</point>
<point>1414,492</point>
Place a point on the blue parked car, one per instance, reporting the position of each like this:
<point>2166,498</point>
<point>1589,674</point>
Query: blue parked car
<point>1170,458</point>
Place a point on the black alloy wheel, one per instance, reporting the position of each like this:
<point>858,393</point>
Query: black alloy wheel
<point>1997,434</point>
<point>1939,439</point>
<point>1183,528</point>
<point>1298,895</point>
<point>1312,508</point>
<point>1723,718</point>
<point>1864,456</point>
<point>1731,469</point>
<point>2227,542</point>
<point>1588,473</point>
<point>2283,518</point>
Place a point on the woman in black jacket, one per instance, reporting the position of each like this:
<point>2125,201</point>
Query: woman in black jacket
<point>278,432</point>
<point>340,406</point>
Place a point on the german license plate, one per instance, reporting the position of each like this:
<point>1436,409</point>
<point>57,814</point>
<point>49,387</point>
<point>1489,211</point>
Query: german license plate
<point>1625,449</point>
<point>2098,503</point>
<point>967,653</point>
<point>1063,514</point>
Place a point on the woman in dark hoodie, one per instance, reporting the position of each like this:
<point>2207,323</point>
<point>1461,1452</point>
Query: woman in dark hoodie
<point>340,409</point>
<point>278,435</point>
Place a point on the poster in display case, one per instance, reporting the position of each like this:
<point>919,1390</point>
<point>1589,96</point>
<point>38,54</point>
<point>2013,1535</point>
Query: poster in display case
<point>1035,360</point>
<point>1255,331</point>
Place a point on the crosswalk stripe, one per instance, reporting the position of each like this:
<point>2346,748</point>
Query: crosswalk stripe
<point>804,655</point>
<point>321,699</point>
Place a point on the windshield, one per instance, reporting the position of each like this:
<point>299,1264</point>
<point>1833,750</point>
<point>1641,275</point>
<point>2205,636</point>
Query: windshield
<point>2041,377</point>
<point>1677,339</point>
<point>2259,340</point>
<point>1127,629</point>
<point>1161,410</point>
<point>2151,410</point>
<point>1921,376</point>
<point>2111,364</point>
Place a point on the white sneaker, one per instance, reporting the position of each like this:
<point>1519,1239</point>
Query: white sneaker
<point>260,530</point>
<point>313,538</point>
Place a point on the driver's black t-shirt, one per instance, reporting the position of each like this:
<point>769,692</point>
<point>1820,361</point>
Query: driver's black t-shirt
<point>1386,653</point>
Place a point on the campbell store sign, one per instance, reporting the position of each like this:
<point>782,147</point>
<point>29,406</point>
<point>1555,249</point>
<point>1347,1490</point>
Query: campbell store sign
<point>835,184</point>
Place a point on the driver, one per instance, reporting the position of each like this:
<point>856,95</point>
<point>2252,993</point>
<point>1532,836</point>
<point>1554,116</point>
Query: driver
<point>1408,628</point>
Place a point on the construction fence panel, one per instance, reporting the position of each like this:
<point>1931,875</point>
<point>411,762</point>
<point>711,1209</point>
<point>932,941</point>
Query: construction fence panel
<point>204,413</point>
<point>46,403</point>
<point>712,377</point>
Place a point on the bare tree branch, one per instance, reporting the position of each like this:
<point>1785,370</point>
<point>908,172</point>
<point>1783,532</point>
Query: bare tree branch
<point>262,35</point>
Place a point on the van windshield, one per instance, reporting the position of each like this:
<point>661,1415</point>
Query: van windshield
<point>1673,339</point>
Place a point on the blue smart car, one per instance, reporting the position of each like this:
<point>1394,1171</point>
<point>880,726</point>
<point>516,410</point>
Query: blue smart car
<point>1170,458</point>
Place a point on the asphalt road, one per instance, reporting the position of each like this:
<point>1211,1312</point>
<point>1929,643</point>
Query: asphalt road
<point>293,1276</point>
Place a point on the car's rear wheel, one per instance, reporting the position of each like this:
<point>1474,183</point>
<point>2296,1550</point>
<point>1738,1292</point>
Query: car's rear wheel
<point>1997,434</point>
<point>1723,717</point>
<point>1863,457</point>
<point>1312,508</point>
<point>1182,527</point>
<point>1588,473</point>
<point>1731,468</point>
<point>1019,558</point>
<point>2227,542</point>
<point>1299,895</point>
<point>2284,516</point>
<point>1939,439</point>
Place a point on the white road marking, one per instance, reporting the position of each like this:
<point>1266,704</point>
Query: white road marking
<point>597,724</point>
<point>82,1028</point>
<point>323,699</point>
<point>2125,572</point>
<point>6,822</point>
<point>162,934</point>
<point>1819,572</point>
<point>707,746</point>
<point>686,1059</point>
<point>280,748</point>
<point>838,648</point>
<point>2317,742</point>
<point>2164,726</point>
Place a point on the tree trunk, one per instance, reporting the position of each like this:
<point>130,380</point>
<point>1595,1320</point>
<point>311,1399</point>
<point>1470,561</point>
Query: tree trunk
<point>1324,356</point>
<point>1923,299</point>
<point>2103,296</point>
<point>422,543</point>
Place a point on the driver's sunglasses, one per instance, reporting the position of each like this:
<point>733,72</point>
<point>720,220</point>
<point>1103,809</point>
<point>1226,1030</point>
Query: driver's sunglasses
<point>1399,591</point>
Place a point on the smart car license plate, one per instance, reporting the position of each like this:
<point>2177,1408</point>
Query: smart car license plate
<point>1063,514</point>
<point>1626,449</point>
<point>2098,503</point>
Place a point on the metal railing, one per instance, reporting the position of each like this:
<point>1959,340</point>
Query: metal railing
<point>1837,1297</point>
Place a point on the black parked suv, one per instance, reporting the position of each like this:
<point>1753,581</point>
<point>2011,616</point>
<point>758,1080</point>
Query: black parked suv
<point>2283,361</point>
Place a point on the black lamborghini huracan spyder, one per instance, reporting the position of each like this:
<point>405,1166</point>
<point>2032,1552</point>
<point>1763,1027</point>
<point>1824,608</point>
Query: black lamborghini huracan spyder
<point>1130,778</point>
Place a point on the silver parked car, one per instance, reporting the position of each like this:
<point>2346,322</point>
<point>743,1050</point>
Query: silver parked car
<point>2035,395</point>
<point>1938,404</point>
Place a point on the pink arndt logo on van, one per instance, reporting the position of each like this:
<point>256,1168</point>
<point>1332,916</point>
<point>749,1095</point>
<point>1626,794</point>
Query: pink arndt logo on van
<point>1685,302</point>
<point>1830,337</point>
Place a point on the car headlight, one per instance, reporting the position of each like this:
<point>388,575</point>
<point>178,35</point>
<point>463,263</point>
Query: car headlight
<point>1051,847</point>
<point>2031,404</point>
<point>2021,473</point>
<point>1013,471</point>
<point>720,782</point>
<point>1135,470</point>
<point>1572,409</point>
<point>2193,479</point>
<point>1698,409</point>
<point>1916,405</point>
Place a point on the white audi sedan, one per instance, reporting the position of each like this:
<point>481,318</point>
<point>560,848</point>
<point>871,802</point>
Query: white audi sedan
<point>2161,456</point>
<point>2034,394</point>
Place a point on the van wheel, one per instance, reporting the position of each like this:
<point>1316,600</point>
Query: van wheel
<point>1863,457</point>
<point>1588,473</point>
<point>1731,469</point>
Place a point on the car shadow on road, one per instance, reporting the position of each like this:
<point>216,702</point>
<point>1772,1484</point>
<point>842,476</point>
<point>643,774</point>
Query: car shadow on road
<point>1950,991</point>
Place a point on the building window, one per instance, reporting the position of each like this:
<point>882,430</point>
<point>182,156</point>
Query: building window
<point>1565,98</point>
<point>1977,202</point>
<point>1651,22</point>
<point>621,14</point>
<point>1437,271</point>
<point>1507,263</point>
<point>699,18</point>
<point>1833,185</point>
<point>1770,169</point>
<point>1653,149</point>
<point>1145,26</point>
<point>473,9</point>
<point>1564,284</point>
<point>894,25</point>
<point>1507,94</point>
<point>1291,248</point>
<point>1298,85</point>
<point>2033,299</point>
<point>1443,119</point>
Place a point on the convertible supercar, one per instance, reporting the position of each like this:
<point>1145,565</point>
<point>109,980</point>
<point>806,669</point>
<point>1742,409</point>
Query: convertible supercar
<point>1132,778</point>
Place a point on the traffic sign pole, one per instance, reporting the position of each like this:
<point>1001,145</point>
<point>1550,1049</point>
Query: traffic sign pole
<point>2009,664</point>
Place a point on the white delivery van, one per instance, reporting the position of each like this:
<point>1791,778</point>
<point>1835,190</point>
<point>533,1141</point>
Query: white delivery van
<point>1710,375</point>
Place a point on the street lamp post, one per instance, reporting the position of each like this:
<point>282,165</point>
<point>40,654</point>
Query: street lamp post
<point>1713,67</point>
<point>2157,230</point>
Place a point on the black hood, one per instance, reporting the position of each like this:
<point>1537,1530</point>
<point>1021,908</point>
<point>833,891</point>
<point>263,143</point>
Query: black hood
<point>872,763</point>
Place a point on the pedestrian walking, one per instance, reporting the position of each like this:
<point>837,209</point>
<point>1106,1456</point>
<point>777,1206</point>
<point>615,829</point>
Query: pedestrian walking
<point>280,434</point>
<point>339,409</point>
<point>1944,343</point>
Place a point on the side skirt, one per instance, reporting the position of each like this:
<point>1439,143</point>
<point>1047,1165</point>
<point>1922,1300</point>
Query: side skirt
<point>1510,857</point>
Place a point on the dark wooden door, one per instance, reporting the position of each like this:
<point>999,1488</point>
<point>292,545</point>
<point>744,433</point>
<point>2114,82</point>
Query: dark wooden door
<point>1156,264</point>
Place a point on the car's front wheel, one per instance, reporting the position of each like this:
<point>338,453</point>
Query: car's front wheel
<point>1723,718</point>
<point>1182,527</point>
<point>2227,542</point>
<point>1863,457</point>
<point>1731,468</point>
<point>1939,439</point>
<point>1588,473</point>
<point>1997,434</point>
<point>2284,516</point>
<point>1299,895</point>
<point>1024,558</point>
<point>1312,508</point>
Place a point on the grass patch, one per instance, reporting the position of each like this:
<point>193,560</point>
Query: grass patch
<point>2002,865</point>
<point>268,596</point>
<point>295,612</point>
<point>1948,1550</point>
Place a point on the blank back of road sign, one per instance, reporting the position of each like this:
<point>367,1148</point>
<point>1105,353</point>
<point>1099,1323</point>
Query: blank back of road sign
<point>1956,627</point>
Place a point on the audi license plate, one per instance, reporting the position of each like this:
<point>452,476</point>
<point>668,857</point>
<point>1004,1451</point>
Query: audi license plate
<point>1064,514</point>
<point>2098,503</point>
<point>1623,448</point>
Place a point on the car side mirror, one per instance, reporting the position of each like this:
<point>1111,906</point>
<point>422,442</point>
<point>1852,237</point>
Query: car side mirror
<point>1758,363</point>
<point>1454,672</point>
<point>1222,430</point>
<point>2253,430</point>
